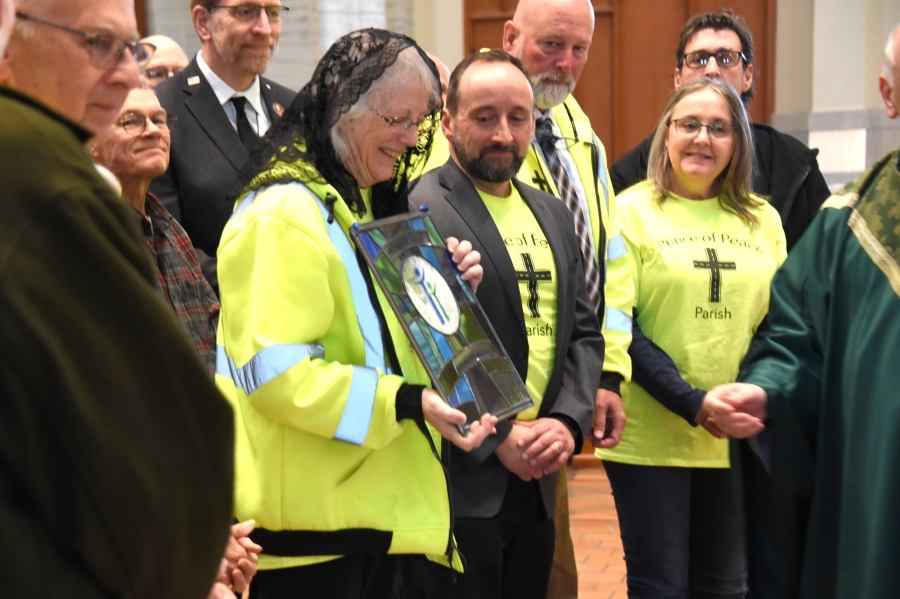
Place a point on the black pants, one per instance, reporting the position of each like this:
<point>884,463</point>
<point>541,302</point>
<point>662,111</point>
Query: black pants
<point>507,556</point>
<point>681,530</point>
<point>351,577</point>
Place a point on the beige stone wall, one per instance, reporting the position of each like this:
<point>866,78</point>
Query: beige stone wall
<point>438,28</point>
<point>828,58</point>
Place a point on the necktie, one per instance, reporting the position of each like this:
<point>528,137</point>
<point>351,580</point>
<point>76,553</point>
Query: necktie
<point>245,131</point>
<point>545,138</point>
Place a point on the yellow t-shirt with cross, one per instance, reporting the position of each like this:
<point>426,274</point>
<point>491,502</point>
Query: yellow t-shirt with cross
<point>701,278</point>
<point>532,259</point>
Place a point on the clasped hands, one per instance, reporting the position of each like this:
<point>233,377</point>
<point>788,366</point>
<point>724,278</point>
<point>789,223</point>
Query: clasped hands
<point>534,449</point>
<point>736,410</point>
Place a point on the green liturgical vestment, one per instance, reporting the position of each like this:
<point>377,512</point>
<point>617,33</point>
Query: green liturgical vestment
<point>831,368</point>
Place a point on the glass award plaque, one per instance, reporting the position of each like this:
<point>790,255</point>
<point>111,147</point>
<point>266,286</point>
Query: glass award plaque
<point>448,328</point>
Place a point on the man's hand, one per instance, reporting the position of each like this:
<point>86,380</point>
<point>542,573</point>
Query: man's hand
<point>551,445</point>
<point>510,451</point>
<point>609,420</point>
<point>745,409</point>
<point>444,419</point>
<point>467,261</point>
<point>735,410</point>
<point>240,559</point>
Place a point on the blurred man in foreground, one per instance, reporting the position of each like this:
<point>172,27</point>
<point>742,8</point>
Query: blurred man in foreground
<point>117,449</point>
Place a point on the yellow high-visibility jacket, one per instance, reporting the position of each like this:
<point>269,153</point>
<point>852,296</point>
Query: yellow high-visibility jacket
<point>589,156</point>
<point>322,464</point>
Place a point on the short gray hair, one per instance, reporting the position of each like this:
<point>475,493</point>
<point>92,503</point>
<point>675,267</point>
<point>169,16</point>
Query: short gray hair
<point>408,68</point>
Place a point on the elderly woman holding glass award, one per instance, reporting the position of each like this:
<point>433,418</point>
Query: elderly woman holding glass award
<point>334,459</point>
<point>705,250</point>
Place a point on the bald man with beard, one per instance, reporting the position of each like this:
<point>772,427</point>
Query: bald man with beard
<point>552,38</point>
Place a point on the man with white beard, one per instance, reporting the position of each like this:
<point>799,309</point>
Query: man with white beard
<point>566,159</point>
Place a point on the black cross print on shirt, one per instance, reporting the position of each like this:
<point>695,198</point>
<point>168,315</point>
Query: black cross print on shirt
<point>715,273</point>
<point>532,276</point>
<point>539,180</point>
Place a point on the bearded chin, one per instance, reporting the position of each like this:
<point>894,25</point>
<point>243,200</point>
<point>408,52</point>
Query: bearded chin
<point>257,64</point>
<point>548,94</point>
<point>251,63</point>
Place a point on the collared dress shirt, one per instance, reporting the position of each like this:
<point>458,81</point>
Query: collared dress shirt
<point>256,111</point>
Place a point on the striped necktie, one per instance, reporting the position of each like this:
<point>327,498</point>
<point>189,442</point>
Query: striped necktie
<point>545,138</point>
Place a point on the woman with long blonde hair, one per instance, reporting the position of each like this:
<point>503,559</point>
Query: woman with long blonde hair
<point>705,250</point>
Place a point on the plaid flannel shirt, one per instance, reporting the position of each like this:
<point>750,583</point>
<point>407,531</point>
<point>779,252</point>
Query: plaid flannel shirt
<point>179,280</point>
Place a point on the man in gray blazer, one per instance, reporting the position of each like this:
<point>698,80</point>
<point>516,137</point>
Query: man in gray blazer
<point>534,294</point>
<point>212,138</point>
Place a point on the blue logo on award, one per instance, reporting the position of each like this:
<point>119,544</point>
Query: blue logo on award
<point>431,295</point>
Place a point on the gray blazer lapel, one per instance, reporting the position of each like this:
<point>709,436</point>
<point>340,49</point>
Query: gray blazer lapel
<point>202,102</point>
<point>465,199</point>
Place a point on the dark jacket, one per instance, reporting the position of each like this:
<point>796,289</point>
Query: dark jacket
<point>479,479</point>
<point>787,174</point>
<point>116,449</point>
<point>205,157</point>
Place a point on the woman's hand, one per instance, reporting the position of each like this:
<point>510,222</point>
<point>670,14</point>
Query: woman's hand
<point>467,261</point>
<point>722,419</point>
<point>445,419</point>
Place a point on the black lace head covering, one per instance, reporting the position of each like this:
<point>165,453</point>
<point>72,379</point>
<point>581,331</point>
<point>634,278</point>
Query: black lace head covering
<point>301,137</point>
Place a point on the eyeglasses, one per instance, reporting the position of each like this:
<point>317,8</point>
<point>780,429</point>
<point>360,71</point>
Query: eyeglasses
<point>691,128</point>
<point>105,51</point>
<point>407,123</point>
<point>249,13</point>
<point>136,124</point>
<point>726,59</point>
<point>160,73</point>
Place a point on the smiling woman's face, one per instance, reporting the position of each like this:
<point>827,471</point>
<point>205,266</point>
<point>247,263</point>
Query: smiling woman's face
<point>373,144</point>
<point>697,160</point>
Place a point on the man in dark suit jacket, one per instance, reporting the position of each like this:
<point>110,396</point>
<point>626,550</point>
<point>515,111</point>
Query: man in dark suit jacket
<point>212,138</point>
<point>503,493</point>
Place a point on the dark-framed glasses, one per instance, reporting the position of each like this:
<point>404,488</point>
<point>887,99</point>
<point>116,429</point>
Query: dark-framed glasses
<point>691,128</point>
<point>156,74</point>
<point>726,59</point>
<point>136,124</point>
<point>249,13</point>
<point>105,50</point>
<point>407,123</point>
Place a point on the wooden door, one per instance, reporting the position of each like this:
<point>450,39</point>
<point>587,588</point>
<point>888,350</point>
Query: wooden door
<point>628,76</point>
<point>140,13</point>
